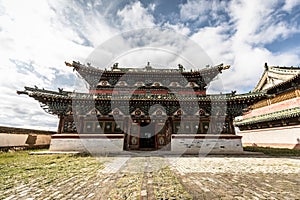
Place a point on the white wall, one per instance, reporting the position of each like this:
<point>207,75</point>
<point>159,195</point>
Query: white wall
<point>288,137</point>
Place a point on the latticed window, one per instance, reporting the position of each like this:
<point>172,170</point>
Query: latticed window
<point>195,127</point>
<point>89,127</point>
<point>187,127</point>
<point>205,127</point>
<point>108,127</point>
<point>118,127</point>
<point>69,127</point>
<point>98,127</point>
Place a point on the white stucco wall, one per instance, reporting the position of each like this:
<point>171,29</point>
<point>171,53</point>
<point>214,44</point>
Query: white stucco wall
<point>206,146</point>
<point>94,145</point>
<point>288,137</point>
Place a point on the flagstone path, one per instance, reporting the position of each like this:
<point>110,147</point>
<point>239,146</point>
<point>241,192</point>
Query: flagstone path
<point>170,177</point>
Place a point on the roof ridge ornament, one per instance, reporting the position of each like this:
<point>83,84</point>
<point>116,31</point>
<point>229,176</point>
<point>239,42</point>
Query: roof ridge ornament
<point>68,64</point>
<point>75,67</point>
<point>181,68</point>
<point>148,66</point>
<point>266,66</point>
<point>115,66</point>
<point>222,67</point>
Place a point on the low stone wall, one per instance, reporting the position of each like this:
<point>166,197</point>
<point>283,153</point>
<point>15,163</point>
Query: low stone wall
<point>18,137</point>
<point>13,130</point>
<point>89,143</point>
<point>24,140</point>
<point>180,144</point>
<point>279,137</point>
<point>206,144</point>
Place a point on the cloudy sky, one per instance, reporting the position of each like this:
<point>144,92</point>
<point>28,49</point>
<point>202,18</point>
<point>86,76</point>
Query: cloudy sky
<point>36,37</point>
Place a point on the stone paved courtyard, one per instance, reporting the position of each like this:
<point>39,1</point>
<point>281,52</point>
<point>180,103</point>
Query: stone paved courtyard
<point>165,177</point>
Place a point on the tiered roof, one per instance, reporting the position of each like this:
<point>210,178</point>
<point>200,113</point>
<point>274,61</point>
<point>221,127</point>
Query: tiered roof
<point>143,97</point>
<point>61,102</point>
<point>275,76</point>
<point>94,76</point>
<point>291,83</point>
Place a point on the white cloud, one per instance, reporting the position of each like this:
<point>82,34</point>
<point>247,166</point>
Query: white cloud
<point>82,20</point>
<point>162,47</point>
<point>134,16</point>
<point>193,9</point>
<point>202,11</point>
<point>257,25</point>
<point>216,42</point>
<point>152,7</point>
<point>178,28</point>
<point>36,40</point>
<point>240,41</point>
<point>290,4</point>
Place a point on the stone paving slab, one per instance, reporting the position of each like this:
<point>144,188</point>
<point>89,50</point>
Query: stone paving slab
<point>234,165</point>
<point>239,178</point>
<point>158,177</point>
<point>115,165</point>
<point>242,186</point>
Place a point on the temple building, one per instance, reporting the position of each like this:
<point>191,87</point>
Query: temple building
<point>275,121</point>
<point>128,109</point>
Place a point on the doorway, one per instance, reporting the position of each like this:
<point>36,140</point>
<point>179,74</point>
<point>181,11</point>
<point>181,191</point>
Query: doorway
<point>147,135</point>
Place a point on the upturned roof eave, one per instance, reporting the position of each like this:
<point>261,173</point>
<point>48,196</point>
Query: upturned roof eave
<point>262,80</point>
<point>67,95</point>
<point>283,114</point>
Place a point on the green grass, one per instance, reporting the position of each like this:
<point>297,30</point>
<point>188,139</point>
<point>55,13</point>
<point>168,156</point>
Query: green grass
<point>273,151</point>
<point>17,168</point>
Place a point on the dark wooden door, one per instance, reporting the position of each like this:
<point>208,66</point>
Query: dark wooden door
<point>147,136</point>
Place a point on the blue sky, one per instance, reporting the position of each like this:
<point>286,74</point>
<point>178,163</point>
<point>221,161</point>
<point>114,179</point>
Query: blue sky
<point>38,36</point>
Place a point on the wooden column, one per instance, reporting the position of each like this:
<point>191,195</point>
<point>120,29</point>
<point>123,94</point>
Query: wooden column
<point>81,125</point>
<point>60,124</point>
<point>126,129</point>
<point>169,128</point>
<point>231,126</point>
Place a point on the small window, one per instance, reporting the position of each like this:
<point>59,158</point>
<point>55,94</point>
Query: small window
<point>205,126</point>
<point>196,128</point>
<point>89,127</point>
<point>118,127</point>
<point>187,127</point>
<point>98,127</point>
<point>108,127</point>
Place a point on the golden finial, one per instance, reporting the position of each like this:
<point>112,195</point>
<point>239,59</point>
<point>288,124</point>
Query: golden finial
<point>226,67</point>
<point>68,64</point>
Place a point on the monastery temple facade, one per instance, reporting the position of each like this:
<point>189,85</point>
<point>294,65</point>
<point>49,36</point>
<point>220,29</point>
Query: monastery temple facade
<point>130,109</point>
